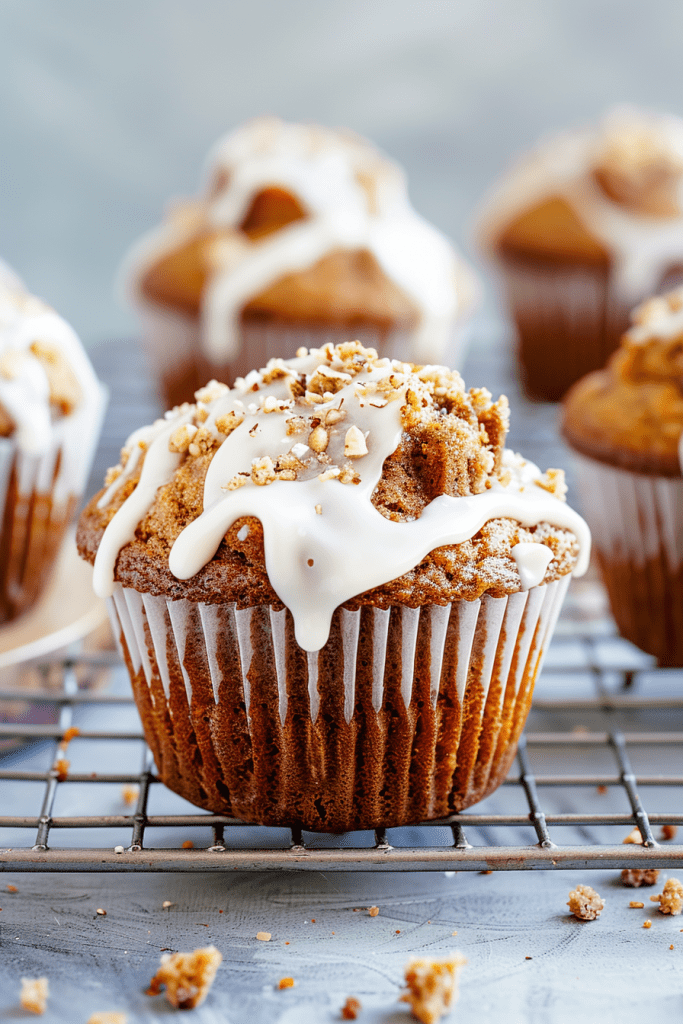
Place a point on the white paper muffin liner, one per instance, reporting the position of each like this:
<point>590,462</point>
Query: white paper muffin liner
<point>637,526</point>
<point>406,714</point>
<point>174,345</point>
<point>38,496</point>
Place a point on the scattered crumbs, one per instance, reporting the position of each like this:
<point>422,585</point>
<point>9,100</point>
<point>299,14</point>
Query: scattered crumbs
<point>263,936</point>
<point>585,903</point>
<point>668,832</point>
<point>34,993</point>
<point>12,888</point>
<point>602,790</point>
<point>118,849</point>
<point>432,985</point>
<point>107,1017</point>
<point>166,904</point>
<point>373,911</point>
<point>454,933</point>
<point>101,912</point>
<point>351,1008</point>
<point>187,977</point>
<point>647,924</point>
<point>528,958</point>
<point>130,794</point>
<point>188,845</point>
<point>636,905</point>
<point>670,899</point>
<point>286,983</point>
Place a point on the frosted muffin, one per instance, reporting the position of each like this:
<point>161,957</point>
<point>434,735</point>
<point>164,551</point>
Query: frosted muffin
<point>586,226</point>
<point>301,235</point>
<point>333,588</point>
<point>625,423</point>
<point>51,408</point>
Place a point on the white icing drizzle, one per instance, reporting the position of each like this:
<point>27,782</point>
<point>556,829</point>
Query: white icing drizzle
<point>643,247</point>
<point>324,171</point>
<point>24,385</point>
<point>325,542</point>
<point>532,561</point>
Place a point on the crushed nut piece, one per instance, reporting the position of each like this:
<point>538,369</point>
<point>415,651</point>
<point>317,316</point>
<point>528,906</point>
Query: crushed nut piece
<point>130,794</point>
<point>334,416</point>
<point>235,482</point>
<point>34,993</point>
<point>264,936</point>
<point>432,985</point>
<point>102,913</point>
<point>181,438</point>
<point>635,877</point>
<point>285,983</point>
<point>670,899</point>
<point>636,904</point>
<point>263,471</point>
<point>354,443</point>
<point>228,422</point>
<point>647,924</point>
<point>187,977</point>
<point>373,911</point>
<point>319,509</point>
<point>585,903</point>
<point>330,474</point>
<point>351,1008</point>
<point>107,1017</point>
<point>634,837</point>
<point>212,391</point>
<point>318,439</point>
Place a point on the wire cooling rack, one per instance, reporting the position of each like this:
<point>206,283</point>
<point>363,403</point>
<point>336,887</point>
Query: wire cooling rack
<point>602,753</point>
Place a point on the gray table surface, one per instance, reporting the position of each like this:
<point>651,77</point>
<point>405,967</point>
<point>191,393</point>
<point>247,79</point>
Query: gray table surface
<point>607,970</point>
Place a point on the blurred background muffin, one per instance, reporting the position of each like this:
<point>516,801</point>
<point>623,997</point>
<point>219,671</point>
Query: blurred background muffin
<point>51,408</point>
<point>302,235</point>
<point>625,423</point>
<point>584,227</point>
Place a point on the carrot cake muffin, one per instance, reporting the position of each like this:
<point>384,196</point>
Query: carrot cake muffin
<point>51,407</point>
<point>586,226</point>
<point>333,587</point>
<point>301,235</point>
<point>625,423</point>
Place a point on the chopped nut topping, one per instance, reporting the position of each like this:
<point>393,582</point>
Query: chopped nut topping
<point>101,912</point>
<point>354,443</point>
<point>671,898</point>
<point>212,391</point>
<point>349,474</point>
<point>34,994</point>
<point>432,985</point>
<point>312,398</point>
<point>553,481</point>
<point>263,471</point>
<point>295,425</point>
<point>318,439</point>
<point>334,416</point>
<point>635,877</point>
<point>330,474</point>
<point>202,414</point>
<point>187,977</point>
<point>351,1008</point>
<point>203,442</point>
<point>235,482</point>
<point>228,422</point>
<point>585,903</point>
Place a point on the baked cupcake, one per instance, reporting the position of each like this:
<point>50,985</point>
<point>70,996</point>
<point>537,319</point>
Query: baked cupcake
<point>333,588</point>
<point>625,423</point>
<point>51,408</point>
<point>586,226</point>
<point>302,235</point>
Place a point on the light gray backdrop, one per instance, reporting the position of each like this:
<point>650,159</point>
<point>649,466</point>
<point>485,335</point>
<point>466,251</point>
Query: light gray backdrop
<point>109,106</point>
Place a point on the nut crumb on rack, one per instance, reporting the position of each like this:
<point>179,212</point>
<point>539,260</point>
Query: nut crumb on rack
<point>286,983</point>
<point>351,1008</point>
<point>585,903</point>
<point>373,911</point>
<point>668,832</point>
<point>635,877</point>
<point>187,977</point>
<point>432,985</point>
<point>108,1017</point>
<point>634,836</point>
<point>670,899</point>
<point>130,794</point>
<point>61,767</point>
<point>636,904</point>
<point>34,994</point>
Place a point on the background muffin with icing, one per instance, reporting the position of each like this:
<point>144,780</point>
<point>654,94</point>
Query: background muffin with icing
<point>626,424</point>
<point>333,587</point>
<point>302,235</point>
<point>586,226</point>
<point>51,407</point>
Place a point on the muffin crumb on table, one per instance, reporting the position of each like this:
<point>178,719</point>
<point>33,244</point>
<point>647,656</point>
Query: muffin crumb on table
<point>585,903</point>
<point>186,977</point>
<point>108,1017</point>
<point>671,898</point>
<point>633,878</point>
<point>34,994</point>
<point>351,1008</point>
<point>432,985</point>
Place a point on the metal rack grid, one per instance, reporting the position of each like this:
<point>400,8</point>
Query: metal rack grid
<point>616,688</point>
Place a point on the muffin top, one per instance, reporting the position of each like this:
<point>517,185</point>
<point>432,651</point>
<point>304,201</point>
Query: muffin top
<point>301,224</point>
<point>609,195</point>
<point>47,386</point>
<point>333,478</point>
<point>631,413</point>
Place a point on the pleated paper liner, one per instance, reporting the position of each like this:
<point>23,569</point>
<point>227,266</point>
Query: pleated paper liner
<point>406,714</point>
<point>175,348</point>
<point>637,526</point>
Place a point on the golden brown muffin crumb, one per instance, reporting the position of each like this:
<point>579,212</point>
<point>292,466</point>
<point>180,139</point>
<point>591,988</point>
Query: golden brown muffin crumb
<point>264,936</point>
<point>636,905</point>
<point>585,903</point>
<point>668,832</point>
<point>286,983</point>
<point>432,985</point>
<point>373,911</point>
<point>108,1017</point>
<point>34,994</point>
<point>635,877</point>
<point>647,924</point>
<point>351,1008</point>
<point>670,899</point>
<point>634,836</point>
<point>187,977</point>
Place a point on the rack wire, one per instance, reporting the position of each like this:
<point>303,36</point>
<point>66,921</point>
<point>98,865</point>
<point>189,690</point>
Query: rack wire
<point>546,815</point>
